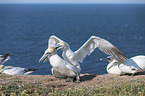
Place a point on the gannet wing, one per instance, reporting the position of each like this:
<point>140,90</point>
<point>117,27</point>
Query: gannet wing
<point>53,41</point>
<point>104,45</point>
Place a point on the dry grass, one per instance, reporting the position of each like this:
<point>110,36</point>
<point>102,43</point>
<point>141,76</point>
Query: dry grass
<point>95,85</point>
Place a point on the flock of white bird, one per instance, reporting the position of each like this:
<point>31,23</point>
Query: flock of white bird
<point>69,65</point>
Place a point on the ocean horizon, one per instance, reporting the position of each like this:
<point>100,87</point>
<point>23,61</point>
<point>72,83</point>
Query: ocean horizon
<point>26,28</point>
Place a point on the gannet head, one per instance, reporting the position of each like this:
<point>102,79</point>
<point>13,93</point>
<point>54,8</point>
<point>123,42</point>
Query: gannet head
<point>109,59</point>
<point>1,67</point>
<point>49,52</point>
<point>112,60</point>
<point>62,46</point>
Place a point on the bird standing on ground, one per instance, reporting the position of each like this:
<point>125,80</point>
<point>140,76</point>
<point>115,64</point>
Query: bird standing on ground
<point>61,68</point>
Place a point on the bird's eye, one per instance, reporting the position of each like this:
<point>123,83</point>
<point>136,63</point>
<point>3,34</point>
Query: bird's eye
<point>133,69</point>
<point>58,45</point>
<point>48,53</point>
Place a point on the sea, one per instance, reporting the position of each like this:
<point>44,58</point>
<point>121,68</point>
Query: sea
<point>26,28</point>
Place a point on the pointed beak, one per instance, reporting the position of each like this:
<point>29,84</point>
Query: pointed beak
<point>104,59</point>
<point>43,57</point>
<point>57,48</point>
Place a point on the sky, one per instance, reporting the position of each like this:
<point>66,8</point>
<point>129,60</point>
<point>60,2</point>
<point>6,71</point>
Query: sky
<point>74,1</point>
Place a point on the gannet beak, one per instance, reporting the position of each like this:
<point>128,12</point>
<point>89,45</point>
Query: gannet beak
<point>43,57</point>
<point>104,59</point>
<point>57,48</point>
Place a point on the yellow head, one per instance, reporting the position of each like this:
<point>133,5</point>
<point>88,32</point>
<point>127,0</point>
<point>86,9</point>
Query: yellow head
<point>61,46</point>
<point>1,67</point>
<point>49,52</point>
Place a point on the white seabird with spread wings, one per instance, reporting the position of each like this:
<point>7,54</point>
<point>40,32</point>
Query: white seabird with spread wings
<point>88,47</point>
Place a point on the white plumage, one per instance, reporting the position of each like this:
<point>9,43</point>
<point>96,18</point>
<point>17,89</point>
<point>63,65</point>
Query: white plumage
<point>61,68</point>
<point>10,70</point>
<point>112,67</point>
<point>88,47</point>
<point>133,65</point>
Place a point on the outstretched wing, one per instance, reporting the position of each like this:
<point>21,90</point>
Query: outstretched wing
<point>104,45</point>
<point>53,41</point>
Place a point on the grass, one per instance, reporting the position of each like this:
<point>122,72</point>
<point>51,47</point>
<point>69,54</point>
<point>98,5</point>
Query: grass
<point>91,85</point>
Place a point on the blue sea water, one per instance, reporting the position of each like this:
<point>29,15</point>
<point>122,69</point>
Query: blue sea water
<point>25,29</point>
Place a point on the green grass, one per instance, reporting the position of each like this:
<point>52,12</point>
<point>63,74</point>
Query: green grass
<point>101,85</point>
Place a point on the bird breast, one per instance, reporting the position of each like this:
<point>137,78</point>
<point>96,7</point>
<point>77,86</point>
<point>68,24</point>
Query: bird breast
<point>56,61</point>
<point>114,70</point>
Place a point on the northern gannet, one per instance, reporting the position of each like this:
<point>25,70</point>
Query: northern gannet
<point>132,65</point>
<point>113,66</point>
<point>10,70</point>
<point>88,47</point>
<point>4,58</point>
<point>61,68</point>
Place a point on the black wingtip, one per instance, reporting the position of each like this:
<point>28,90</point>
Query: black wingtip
<point>31,69</point>
<point>5,55</point>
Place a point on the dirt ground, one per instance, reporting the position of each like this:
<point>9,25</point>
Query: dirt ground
<point>17,83</point>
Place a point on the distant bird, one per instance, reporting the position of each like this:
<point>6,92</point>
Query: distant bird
<point>10,70</point>
<point>4,58</point>
<point>88,47</point>
<point>61,68</point>
<point>133,65</point>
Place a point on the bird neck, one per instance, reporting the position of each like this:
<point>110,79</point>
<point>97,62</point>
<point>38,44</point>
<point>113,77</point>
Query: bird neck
<point>112,63</point>
<point>55,60</point>
<point>67,48</point>
<point>54,56</point>
<point>66,52</point>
